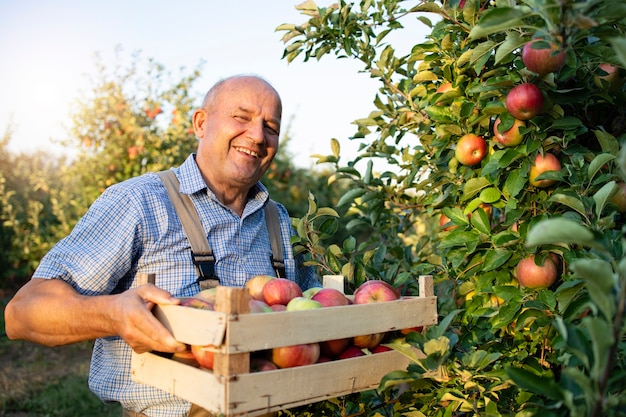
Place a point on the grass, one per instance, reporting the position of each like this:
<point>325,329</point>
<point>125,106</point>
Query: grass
<point>42,381</point>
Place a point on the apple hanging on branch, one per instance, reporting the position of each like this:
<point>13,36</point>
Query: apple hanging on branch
<point>542,57</point>
<point>543,163</point>
<point>524,101</point>
<point>510,137</point>
<point>470,149</point>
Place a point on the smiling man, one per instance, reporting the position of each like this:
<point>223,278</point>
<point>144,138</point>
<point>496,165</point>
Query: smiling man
<point>86,287</point>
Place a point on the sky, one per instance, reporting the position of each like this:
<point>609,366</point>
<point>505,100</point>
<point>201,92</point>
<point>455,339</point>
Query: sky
<point>47,52</point>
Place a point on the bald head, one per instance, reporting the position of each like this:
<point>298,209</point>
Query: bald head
<point>225,85</point>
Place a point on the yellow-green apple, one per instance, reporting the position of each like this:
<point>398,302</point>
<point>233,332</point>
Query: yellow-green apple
<point>258,306</point>
<point>302,303</point>
<point>368,341</point>
<point>296,355</point>
<point>610,77</point>
<point>204,355</point>
<point>619,198</point>
<point>261,365</point>
<point>511,136</point>
<point>310,292</point>
<point>280,291</point>
<point>209,294</point>
<point>470,149</point>
<point>329,297</point>
<point>524,101</point>
<point>375,291</point>
<point>542,57</point>
<point>196,302</point>
<point>351,352</point>
<point>255,285</point>
<point>531,275</point>
<point>541,164</point>
<point>334,347</point>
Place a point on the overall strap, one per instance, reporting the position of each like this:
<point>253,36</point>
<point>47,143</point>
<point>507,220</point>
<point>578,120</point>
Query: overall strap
<point>202,255</point>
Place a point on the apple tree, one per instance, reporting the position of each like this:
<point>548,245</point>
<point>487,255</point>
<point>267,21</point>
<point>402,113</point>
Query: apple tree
<point>503,133</point>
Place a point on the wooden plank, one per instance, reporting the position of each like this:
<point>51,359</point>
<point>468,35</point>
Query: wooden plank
<point>193,325</point>
<point>235,302</point>
<point>333,281</point>
<point>255,394</point>
<point>193,384</point>
<point>263,331</point>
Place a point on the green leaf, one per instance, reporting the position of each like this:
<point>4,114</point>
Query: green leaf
<point>598,162</point>
<point>512,42</point>
<point>600,281</point>
<point>569,201</point>
<point>350,196</point>
<point>438,346</point>
<point>473,186</point>
<point>534,383</point>
<point>603,195</point>
<point>559,230</point>
<point>601,335</point>
<point>496,20</point>
<point>494,259</point>
<point>335,147</point>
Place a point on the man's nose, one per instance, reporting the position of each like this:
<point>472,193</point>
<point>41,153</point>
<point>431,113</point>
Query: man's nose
<point>256,132</point>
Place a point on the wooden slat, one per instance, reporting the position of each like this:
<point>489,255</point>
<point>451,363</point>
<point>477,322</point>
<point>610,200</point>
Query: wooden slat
<point>192,325</point>
<point>235,302</point>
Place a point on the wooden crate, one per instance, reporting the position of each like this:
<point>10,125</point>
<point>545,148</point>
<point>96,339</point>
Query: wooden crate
<point>232,390</point>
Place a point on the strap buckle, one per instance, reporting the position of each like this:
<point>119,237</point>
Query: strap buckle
<point>205,264</point>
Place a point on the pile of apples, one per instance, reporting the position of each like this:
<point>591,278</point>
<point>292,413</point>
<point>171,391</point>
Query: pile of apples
<point>271,294</point>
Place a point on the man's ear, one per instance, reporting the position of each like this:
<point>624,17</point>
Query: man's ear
<point>199,120</point>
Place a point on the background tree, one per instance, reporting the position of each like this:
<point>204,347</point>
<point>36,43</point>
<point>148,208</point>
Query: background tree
<point>503,346</point>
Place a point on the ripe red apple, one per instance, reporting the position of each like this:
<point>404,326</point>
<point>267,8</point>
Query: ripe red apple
<point>258,306</point>
<point>470,149</point>
<point>296,355</point>
<point>261,365</point>
<point>255,285</point>
<point>368,341</point>
<point>541,164</point>
<point>380,348</point>
<point>351,352</point>
<point>524,101</point>
<point>510,137</point>
<point>334,347</point>
<point>531,275</point>
<point>619,198</point>
<point>542,57</point>
<point>204,355</point>
<point>302,303</point>
<point>329,297</point>
<point>280,291</point>
<point>196,302</point>
<point>375,291</point>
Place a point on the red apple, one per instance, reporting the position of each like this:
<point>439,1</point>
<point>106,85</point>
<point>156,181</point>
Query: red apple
<point>375,291</point>
<point>408,330</point>
<point>302,303</point>
<point>443,88</point>
<point>368,341</point>
<point>380,348</point>
<point>470,149</point>
<point>524,101</point>
<point>329,297</point>
<point>334,347</point>
<point>296,355</point>
<point>619,198</point>
<point>445,223</point>
<point>510,137</point>
<point>255,285</point>
<point>531,275</point>
<point>204,355</point>
<point>187,357</point>
<point>351,352</point>
<point>541,164</point>
<point>280,291</point>
<point>196,302</point>
<point>261,365</point>
<point>258,306</point>
<point>542,57</point>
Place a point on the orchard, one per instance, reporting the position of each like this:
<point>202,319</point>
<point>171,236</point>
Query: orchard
<point>528,262</point>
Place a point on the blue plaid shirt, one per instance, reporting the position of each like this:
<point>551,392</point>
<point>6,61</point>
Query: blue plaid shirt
<point>133,228</point>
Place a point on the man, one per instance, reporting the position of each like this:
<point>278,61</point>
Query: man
<point>86,287</point>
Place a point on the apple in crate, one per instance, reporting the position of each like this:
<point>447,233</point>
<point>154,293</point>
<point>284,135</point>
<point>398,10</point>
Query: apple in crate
<point>280,291</point>
<point>204,355</point>
<point>296,355</point>
<point>187,357</point>
<point>302,303</point>
<point>368,341</point>
<point>196,302</point>
<point>329,297</point>
<point>334,347</point>
<point>351,352</point>
<point>261,364</point>
<point>258,306</point>
<point>255,285</point>
<point>375,291</point>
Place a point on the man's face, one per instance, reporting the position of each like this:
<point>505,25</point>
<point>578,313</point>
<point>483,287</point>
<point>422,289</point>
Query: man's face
<point>238,134</point>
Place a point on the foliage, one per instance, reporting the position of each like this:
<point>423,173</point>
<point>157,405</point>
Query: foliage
<point>500,349</point>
